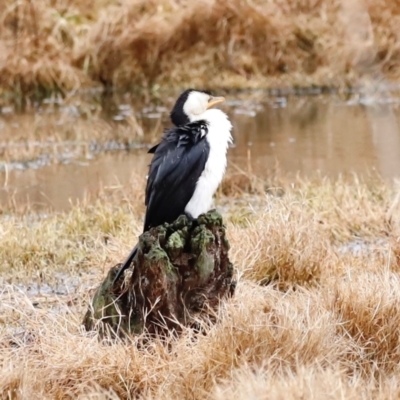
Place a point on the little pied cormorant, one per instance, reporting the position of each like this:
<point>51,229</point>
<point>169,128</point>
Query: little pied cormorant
<point>188,164</point>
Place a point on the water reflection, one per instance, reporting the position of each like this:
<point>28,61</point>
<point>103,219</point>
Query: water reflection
<point>328,136</point>
<point>58,186</point>
<point>322,134</point>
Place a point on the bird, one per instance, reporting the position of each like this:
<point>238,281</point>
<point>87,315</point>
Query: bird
<point>188,164</point>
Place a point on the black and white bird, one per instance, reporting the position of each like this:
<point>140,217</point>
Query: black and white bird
<point>188,164</point>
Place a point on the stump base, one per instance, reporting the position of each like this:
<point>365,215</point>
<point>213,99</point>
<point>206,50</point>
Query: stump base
<point>181,271</point>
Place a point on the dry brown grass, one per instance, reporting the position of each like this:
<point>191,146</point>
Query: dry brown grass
<point>325,327</point>
<point>69,44</point>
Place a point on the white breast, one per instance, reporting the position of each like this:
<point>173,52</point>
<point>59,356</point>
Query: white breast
<point>218,137</point>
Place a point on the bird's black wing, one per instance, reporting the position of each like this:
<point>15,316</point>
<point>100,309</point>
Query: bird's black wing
<point>153,149</point>
<point>176,166</point>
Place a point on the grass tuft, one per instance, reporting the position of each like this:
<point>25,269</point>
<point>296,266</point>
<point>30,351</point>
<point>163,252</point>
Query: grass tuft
<point>288,247</point>
<point>326,326</point>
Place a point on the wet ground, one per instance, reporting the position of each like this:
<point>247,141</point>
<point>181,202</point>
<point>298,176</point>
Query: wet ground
<point>328,135</point>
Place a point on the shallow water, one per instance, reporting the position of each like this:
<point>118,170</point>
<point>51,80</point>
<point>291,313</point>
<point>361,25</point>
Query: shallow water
<point>310,135</point>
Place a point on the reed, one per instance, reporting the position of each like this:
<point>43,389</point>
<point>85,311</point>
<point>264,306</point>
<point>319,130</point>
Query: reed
<point>143,45</point>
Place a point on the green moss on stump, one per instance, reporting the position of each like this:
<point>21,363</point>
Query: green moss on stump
<point>181,270</point>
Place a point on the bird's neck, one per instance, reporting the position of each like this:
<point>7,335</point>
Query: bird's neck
<point>179,118</point>
<point>218,124</point>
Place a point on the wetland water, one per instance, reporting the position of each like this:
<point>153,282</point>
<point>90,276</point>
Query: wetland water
<point>325,135</point>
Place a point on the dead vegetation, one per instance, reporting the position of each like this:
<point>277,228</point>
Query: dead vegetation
<point>315,313</point>
<point>65,45</point>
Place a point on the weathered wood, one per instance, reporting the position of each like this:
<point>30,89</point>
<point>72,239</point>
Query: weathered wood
<point>181,270</point>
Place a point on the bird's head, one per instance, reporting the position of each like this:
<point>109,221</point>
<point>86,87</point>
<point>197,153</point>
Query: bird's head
<point>191,104</point>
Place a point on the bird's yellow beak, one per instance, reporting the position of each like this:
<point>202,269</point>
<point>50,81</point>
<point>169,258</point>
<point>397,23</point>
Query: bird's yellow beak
<point>215,100</point>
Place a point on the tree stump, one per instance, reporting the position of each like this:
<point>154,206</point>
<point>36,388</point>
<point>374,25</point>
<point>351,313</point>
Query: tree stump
<point>181,271</point>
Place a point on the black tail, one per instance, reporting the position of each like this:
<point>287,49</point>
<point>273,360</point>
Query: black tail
<point>126,264</point>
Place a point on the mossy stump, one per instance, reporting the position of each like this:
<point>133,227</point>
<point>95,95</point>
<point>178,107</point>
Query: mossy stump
<point>181,271</point>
